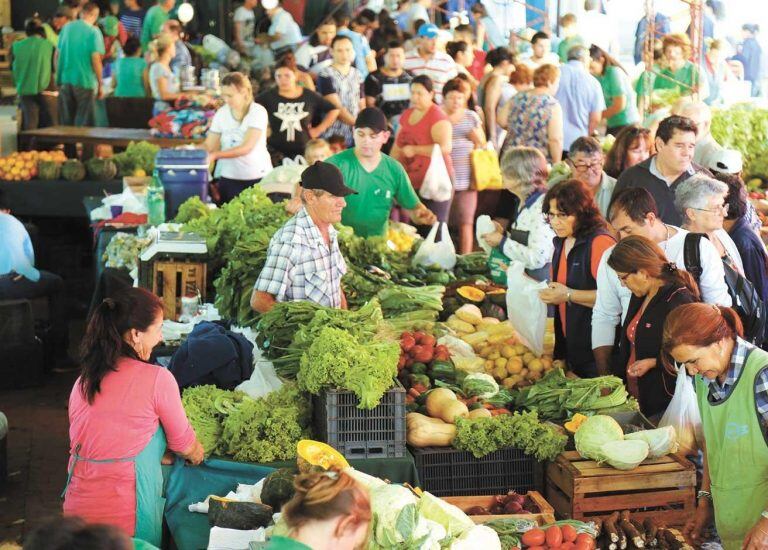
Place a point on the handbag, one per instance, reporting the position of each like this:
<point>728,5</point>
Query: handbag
<point>486,172</point>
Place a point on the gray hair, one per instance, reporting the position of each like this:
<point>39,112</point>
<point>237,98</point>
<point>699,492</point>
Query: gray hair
<point>578,53</point>
<point>316,192</point>
<point>696,191</point>
<point>523,169</point>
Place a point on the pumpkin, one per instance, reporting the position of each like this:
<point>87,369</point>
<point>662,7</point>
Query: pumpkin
<point>101,169</point>
<point>498,297</point>
<point>49,169</point>
<point>316,454</point>
<point>278,488</point>
<point>231,514</point>
<point>574,423</point>
<point>73,170</point>
<point>471,294</point>
<point>424,431</point>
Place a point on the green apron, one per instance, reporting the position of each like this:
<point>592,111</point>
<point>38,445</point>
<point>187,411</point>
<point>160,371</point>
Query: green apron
<point>149,486</point>
<point>737,454</point>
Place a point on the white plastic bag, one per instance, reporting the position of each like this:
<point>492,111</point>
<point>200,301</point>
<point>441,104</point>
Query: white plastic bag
<point>525,310</point>
<point>437,185</point>
<point>431,253</point>
<point>683,414</point>
<point>483,226</point>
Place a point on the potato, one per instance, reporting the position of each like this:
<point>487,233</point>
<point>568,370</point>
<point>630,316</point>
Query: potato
<point>524,373</point>
<point>514,365</point>
<point>533,376</point>
<point>536,366</point>
<point>499,373</point>
<point>501,363</point>
<point>483,352</point>
<point>528,357</point>
<point>507,351</point>
<point>509,383</point>
<point>489,366</point>
<point>546,361</point>
<point>520,349</point>
<point>494,355</point>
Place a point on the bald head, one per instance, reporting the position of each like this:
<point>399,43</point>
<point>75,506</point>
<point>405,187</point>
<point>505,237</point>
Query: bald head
<point>697,111</point>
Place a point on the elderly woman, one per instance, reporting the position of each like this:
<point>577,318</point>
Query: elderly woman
<point>657,287</point>
<point>534,118</point>
<point>731,381</point>
<point>581,239</point>
<point>701,202</point>
<point>633,145</point>
<point>521,233</point>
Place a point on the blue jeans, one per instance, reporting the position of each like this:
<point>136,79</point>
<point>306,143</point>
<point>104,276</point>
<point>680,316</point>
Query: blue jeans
<point>76,105</point>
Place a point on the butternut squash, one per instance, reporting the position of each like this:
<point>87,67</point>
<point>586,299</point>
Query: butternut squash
<point>423,431</point>
<point>480,413</point>
<point>442,404</point>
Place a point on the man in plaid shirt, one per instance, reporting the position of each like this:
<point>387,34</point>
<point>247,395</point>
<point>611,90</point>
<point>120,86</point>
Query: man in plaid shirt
<point>304,261</point>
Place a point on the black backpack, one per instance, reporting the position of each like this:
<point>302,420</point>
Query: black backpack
<point>746,300</point>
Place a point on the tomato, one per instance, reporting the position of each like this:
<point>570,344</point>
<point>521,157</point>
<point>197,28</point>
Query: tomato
<point>536,548</point>
<point>567,546</point>
<point>554,537</point>
<point>534,537</point>
<point>569,533</point>
<point>585,542</point>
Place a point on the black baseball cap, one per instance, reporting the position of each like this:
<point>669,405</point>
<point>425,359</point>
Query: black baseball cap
<point>325,176</point>
<point>372,118</point>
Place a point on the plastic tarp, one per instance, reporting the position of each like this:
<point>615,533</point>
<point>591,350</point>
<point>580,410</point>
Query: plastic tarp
<point>185,485</point>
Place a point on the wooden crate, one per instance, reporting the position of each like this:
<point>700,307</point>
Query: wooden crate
<point>581,489</point>
<point>174,280</point>
<point>544,517</point>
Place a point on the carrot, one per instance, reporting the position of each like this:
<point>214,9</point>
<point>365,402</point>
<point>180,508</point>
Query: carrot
<point>488,406</point>
<point>414,393</point>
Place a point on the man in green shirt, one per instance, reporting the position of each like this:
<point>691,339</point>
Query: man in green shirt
<point>153,22</point>
<point>380,181</point>
<point>31,69</point>
<point>79,68</point>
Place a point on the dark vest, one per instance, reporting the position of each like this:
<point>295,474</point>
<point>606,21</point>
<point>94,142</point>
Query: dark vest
<point>576,345</point>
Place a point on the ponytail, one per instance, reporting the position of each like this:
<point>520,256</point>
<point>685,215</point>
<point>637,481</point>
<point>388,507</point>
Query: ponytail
<point>104,343</point>
<point>671,274</point>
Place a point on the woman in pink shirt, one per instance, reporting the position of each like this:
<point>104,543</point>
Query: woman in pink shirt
<point>123,413</point>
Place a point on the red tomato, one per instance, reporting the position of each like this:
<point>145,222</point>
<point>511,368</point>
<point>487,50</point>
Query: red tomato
<point>585,542</point>
<point>534,537</point>
<point>567,546</point>
<point>569,533</point>
<point>554,537</point>
<point>536,548</point>
<point>584,545</point>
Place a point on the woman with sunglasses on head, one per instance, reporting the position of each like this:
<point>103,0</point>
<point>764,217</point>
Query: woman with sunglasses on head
<point>633,145</point>
<point>731,379</point>
<point>581,239</point>
<point>657,287</point>
<point>701,201</point>
<point>329,511</point>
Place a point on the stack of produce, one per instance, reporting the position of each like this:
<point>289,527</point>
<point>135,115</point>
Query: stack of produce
<point>510,504</point>
<point>401,237</point>
<point>620,530</point>
<point>138,159</point>
<point>422,361</point>
<point>472,265</point>
<point>557,396</point>
<point>251,430</point>
<point>19,166</point>
<point>600,438</point>
<point>490,299</point>
<point>406,307</point>
<point>49,164</point>
<point>744,127</point>
<point>561,535</point>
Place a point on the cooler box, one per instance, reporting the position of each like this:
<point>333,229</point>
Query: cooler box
<point>184,174</point>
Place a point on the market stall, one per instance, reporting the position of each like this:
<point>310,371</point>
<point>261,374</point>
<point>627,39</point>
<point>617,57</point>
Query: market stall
<point>117,137</point>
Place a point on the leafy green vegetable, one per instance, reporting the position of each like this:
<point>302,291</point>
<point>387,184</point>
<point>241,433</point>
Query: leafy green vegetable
<point>205,406</point>
<point>397,299</point>
<point>191,209</point>
<point>595,432</point>
<point>744,127</point>
<point>336,358</point>
<point>278,326</point>
<point>449,516</point>
<point>482,436</point>
<point>480,385</point>
<point>625,454</point>
<point>137,156</point>
<point>661,441</point>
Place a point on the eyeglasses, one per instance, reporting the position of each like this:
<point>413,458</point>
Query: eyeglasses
<point>722,209</point>
<point>559,216</point>
<point>623,278</point>
<point>587,165</point>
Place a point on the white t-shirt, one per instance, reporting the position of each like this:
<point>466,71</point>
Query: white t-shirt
<point>284,25</point>
<point>248,19</point>
<point>253,165</point>
<point>613,298</point>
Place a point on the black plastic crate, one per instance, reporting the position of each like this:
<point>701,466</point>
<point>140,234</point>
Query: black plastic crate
<point>445,471</point>
<point>361,433</point>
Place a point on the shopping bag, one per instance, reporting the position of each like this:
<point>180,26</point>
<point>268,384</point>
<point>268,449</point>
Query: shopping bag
<point>683,414</point>
<point>430,253</point>
<point>525,310</point>
<point>437,185</point>
<point>486,172</point>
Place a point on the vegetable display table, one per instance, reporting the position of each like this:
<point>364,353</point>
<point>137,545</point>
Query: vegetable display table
<point>185,485</point>
<point>55,198</point>
<point>117,137</point>
<point>581,489</point>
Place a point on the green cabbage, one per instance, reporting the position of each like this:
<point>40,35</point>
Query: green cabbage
<point>455,521</point>
<point>480,385</point>
<point>595,432</point>
<point>626,454</point>
<point>661,441</point>
<point>479,536</point>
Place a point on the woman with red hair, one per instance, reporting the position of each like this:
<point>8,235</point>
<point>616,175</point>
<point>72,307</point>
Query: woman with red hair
<point>581,239</point>
<point>731,378</point>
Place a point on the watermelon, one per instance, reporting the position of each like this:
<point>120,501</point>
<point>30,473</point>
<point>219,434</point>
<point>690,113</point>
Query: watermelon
<point>73,170</point>
<point>101,169</point>
<point>48,170</point>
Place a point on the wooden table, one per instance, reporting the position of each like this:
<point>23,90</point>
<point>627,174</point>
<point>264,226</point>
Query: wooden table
<point>118,137</point>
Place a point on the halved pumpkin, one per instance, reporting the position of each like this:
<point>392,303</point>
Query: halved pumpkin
<point>471,294</point>
<point>317,454</point>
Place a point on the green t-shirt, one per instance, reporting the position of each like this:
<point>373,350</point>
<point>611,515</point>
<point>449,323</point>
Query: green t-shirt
<point>687,75</point>
<point>368,211</point>
<point>566,44</point>
<point>615,84</point>
<point>285,543</point>
<point>129,72</point>
<point>78,41</point>
<point>32,58</point>
<point>50,35</point>
<point>153,25</point>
